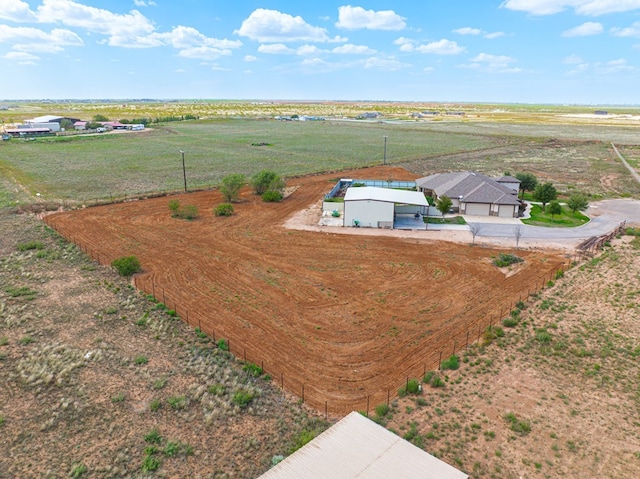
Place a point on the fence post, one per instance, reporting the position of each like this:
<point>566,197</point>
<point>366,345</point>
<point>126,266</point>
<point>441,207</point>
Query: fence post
<point>454,348</point>
<point>440,361</point>
<point>367,405</point>
<point>388,396</point>
<point>303,392</point>
<point>467,345</point>
<point>282,380</point>
<point>325,410</point>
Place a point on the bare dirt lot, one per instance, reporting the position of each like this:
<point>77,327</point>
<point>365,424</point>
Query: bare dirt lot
<point>317,311</point>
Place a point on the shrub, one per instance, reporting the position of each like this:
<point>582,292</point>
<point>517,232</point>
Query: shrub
<point>77,471</point>
<point>252,369</point>
<point>437,382</point>
<point>177,402</point>
<point>188,212</point>
<point>174,206</point>
<point>382,410</point>
<point>412,387</point>
<point>222,344</point>
<point>260,182</point>
<point>150,464</point>
<point>510,322</point>
<point>153,437</point>
<point>127,265</point>
<point>272,196</point>
<point>519,426</point>
<point>505,259</point>
<point>30,245</point>
<point>139,360</point>
<point>243,397</point>
<point>453,363</point>
<point>223,209</point>
<point>428,377</point>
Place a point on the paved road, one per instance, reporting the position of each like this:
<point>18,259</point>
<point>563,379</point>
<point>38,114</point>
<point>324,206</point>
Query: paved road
<point>605,216</point>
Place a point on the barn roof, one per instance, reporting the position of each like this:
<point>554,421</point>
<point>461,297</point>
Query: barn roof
<point>357,447</point>
<point>386,195</point>
<point>44,119</point>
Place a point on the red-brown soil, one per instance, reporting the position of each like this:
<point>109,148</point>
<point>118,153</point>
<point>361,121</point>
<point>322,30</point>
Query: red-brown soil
<point>342,320</point>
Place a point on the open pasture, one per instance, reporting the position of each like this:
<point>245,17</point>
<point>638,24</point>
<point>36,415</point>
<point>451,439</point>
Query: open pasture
<point>85,168</point>
<point>339,320</point>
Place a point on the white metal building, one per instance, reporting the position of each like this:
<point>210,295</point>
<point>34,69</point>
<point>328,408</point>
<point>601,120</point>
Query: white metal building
<point>358,448</point>
<point>372,207</point>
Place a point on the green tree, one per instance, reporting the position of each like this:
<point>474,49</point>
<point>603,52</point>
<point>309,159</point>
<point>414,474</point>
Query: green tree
<point>260,182</point>
<point>92,125</point>
<point>528,182</point>
<point>66,124</point>
<point>544,193</point>
<point>578,202</point>
<point>99,117</point>
<point>444,204</point>
<point>554,208</point>
<point>231,186</point>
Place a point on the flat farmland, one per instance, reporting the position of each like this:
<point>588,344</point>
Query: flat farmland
<point>339,320</point>
<point>132,163</point>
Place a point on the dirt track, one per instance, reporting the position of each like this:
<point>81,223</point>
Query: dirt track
<point>342,320</point>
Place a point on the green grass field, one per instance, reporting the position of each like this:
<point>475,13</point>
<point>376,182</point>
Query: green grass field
<point>90,167</point>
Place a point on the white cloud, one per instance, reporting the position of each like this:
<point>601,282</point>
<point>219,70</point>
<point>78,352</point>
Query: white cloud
<point>250,58</point>
<point>581,7</point>
<point>27,39</point>
<point>357,18</point>
<point>441,47</point>
<point>612,67</point>
<point>203,53</point>
<point>584,30</point>
<point>16,11</point>
<point>405,44</point>
<point>572,60</point>
<point>632,31</point>
<point>493,63</point>
<point>350,49</point>
<point>315,62</point>
<point>492,35</point>
<point>21,57</point>
<point>276,49</point>
<point>122,29</point>
<point>388,64</point>
<point>468,31</point>
<point>273,26</point>
<point>307,50</point>
<point>189,37</point>
<point>142,3</point>
<point>428,69</point>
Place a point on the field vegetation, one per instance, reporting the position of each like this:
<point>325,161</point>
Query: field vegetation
<point>129,391</point>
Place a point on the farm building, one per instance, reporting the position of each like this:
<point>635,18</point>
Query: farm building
<point>356,447</point>
<point>373,207</point>
<point>474,193</point>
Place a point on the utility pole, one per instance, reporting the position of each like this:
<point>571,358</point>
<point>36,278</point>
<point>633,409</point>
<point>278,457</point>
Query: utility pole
<point>184,171</point>
<point>384,161</point>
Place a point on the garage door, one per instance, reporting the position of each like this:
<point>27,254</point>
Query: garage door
<point>506,211</point>
<point>478,209</point>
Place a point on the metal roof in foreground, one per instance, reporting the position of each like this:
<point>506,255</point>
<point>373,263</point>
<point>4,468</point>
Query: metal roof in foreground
<point>387,195</point>
<point>358,448</point>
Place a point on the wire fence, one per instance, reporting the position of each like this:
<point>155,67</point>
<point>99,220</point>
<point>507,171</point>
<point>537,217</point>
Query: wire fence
<point>459,336</point>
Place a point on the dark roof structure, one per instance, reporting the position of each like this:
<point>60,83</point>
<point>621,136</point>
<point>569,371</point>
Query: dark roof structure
<point>471,187</point>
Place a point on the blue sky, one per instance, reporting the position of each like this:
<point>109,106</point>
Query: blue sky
<point>509,51</point>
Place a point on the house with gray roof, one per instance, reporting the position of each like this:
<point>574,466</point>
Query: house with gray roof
<point>474,193</point>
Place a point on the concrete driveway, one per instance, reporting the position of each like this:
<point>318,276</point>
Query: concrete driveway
<point>605,216</point>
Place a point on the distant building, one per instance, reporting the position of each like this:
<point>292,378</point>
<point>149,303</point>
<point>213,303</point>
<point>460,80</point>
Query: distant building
<point>601,112</point>
<point>369,115</point>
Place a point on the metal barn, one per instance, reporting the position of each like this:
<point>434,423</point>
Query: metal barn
<point>372,207</point>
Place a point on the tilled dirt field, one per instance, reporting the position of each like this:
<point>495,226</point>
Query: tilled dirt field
<point>339,320</point>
